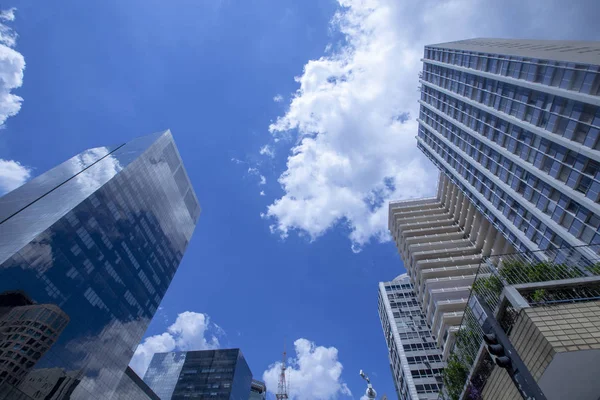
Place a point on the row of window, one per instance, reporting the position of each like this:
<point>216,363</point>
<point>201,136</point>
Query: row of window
<point>570,76</point>
<point>532,188</point>
<point>420,359</point>
<point>426,373</point>
<point>419,346</point>
<point>514,211</point>
<point>573,120</point>
<point>528,146</point>
<point>428,388</point>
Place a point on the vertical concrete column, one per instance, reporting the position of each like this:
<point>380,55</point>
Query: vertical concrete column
<point>453,204</point>
<point>481,232</point>
<point>469,219</point>
<point>508,247</point>
<point>463,212</point>
<point>499,244</point>
<point>475,223</point>
<point>490,239</point>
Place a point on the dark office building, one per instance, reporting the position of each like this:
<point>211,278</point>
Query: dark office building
<point>214,374</point>
<point>87,251</point>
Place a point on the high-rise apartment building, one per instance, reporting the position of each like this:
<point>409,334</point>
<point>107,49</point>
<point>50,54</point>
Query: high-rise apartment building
<point>211,374</point>
<point>415,360</point>
<point>441,241</point>
<point>92,245</point>
<point>27,331</point>
<point>515,125</point>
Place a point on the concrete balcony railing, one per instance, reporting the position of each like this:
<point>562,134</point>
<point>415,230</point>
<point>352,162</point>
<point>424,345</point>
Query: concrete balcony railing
<point>442,272</point>
<point>443,253</point>
<point>453,234</point>
<point>417,212</point>
<point>433,297</point>
<point>444,261</point>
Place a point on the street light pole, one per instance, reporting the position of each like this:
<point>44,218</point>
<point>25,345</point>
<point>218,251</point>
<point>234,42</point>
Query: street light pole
<point>370,393</point>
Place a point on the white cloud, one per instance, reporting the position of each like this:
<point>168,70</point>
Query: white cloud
<point>255,171</point>
<point>354,112</point>
<point>8,15</point>
<point>189,332</point>
<point>12,175</point>
<point>262,192</point>
<point>12,65</point>
<point>314,374</point>
<point>278,98</point>
<point>267,150</point>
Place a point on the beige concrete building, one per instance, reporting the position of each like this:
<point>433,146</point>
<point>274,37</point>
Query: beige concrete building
<point>560,345</point>
<point>441,241</point>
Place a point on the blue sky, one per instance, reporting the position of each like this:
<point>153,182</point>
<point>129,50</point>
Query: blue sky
<point>292,240</point>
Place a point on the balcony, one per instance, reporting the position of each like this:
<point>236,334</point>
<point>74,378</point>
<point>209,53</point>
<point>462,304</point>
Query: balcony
<point>546,301</point>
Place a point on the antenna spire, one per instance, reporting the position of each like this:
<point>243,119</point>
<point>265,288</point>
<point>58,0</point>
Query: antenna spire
<point>282,387</point>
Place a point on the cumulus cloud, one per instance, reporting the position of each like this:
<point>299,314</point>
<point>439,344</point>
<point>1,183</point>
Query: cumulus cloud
<point>267,150</point>
<point>12,65</point>
<point>278,98</point>
<point>262,193</point>
<point>8,15</point>
<point>12,175</point>
<point>191,331</point>
<point>314,374</point>
<point>354,113</point>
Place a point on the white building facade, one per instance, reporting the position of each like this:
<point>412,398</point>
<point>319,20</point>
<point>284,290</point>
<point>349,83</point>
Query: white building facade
<point>441,241</point>
<point>415,360</point>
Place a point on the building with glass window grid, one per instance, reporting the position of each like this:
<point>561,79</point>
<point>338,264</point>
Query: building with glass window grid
<point>96,242</point>
<point>132,387</point>
<point>415,360</point>
<point>215,374</point>
<point>515,125</point>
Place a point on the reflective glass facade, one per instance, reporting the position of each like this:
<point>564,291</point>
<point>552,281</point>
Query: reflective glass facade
<point>87,251</point>
<point>516,126</point>
<point>132,387</point>
<point>415,360</point>
<point>212,374</point>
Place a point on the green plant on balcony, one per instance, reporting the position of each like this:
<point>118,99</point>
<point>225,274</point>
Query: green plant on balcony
<point>488,288</point>
<point>455,376</point>
<point>515,272</point>
<point>594,269</point>
<point>539,295</point>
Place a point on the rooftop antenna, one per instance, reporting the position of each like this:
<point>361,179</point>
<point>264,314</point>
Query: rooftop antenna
<point>282,387</point>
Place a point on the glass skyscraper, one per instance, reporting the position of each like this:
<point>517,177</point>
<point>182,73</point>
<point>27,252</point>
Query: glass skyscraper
<point>515,125</point>
<point>215,374</point>
<point>132,387</point>
<point>87,251</point>
<point>415,359</point>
